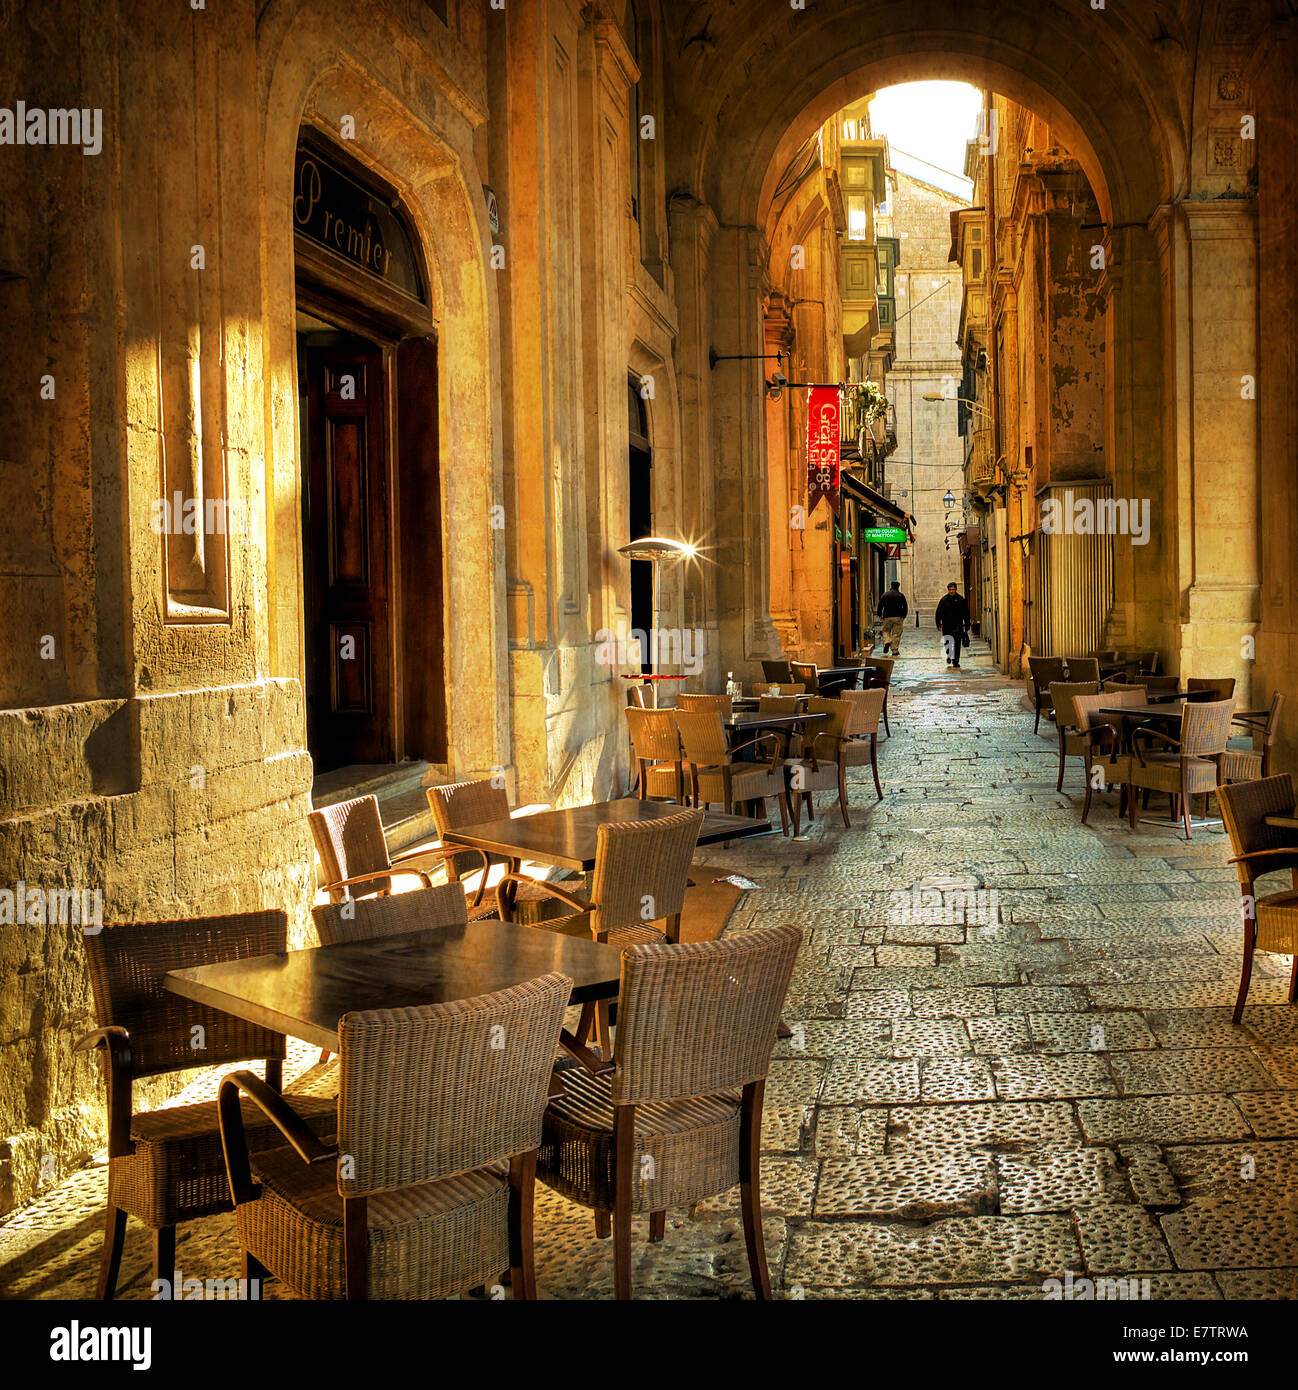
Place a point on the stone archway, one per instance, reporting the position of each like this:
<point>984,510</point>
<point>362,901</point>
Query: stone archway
<point>323,70</point>
<point>771,82</point>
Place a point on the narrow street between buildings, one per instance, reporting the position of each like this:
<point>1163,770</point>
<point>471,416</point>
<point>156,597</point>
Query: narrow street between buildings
<point>1012,1066</point>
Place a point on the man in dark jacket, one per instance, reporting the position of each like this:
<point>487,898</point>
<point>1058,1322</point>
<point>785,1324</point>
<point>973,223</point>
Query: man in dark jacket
<point>893,609</point>
<point>952,617</point>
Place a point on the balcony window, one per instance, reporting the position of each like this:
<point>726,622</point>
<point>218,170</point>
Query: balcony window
<point>858,218</point>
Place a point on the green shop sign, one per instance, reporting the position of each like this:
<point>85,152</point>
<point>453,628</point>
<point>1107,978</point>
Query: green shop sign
<point>893,534</point>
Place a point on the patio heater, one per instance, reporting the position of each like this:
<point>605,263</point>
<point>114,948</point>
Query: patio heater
<point>656,551</point>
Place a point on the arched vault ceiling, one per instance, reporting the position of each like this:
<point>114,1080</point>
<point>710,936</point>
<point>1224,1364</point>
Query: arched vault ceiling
<point>749,80</point>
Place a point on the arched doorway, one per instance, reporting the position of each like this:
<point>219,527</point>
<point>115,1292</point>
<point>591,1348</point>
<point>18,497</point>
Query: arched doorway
<point>370,475</point>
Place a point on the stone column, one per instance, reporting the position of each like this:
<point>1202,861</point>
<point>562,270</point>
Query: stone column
<point>739,443</point>
<point>1212,277</point>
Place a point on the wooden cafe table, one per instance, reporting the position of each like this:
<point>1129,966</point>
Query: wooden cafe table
<point>303,994</point>
<point>569,837</point>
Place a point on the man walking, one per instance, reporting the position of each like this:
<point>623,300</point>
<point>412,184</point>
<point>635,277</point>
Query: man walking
<point>893,609</point>
<point>952,617</point>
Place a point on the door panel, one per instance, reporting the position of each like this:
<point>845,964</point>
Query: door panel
<point>349,657</point>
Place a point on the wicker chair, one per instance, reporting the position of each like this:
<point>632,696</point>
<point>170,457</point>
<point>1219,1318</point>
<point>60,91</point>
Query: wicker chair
<point>165,1166</point>
<point>808,674</point>
<point>1101,744</point>
<point>877,670</point>
<point>861,731</point>
<point>371,918</point>
<point>821,767</point>
<point>1072,740</point>
<point>641,867</point>
<point>636,697</point>
<point>1222,689</point>
<point>422,1204</point>
<point>350,842</point>
<point>1084,670</point>
<point>1192,767</point>
<point>1043,672</point>
<point>680,1118</point>
<point>777,672</point>
<point>656,747</point>
<point>1270,921</point>
<point>1161,685</point>
<point>1248,764</point>
<point>1145,663</point>
<point>458,804</point>
<point>716,775</point>
<point>721,704</point>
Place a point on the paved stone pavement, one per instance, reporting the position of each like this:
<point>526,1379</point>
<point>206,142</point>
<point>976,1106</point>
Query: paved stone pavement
<point>1012,1055</point>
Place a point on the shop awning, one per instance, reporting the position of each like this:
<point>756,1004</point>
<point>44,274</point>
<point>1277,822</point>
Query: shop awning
<point>876,502</point>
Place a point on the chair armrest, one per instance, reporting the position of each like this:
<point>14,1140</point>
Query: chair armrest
<point>377,874</point>
<point>449,853</point>
<point>279,1112</point>
<point>502,904</point>
<point>1144,731</point>
<point>1286,854</point>
<point>118,1075</point>
<point>591,1063</point>
<point>824,733</point>
<point>764,738</point>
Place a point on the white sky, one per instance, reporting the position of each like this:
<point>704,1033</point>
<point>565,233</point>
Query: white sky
<point>930,121</point>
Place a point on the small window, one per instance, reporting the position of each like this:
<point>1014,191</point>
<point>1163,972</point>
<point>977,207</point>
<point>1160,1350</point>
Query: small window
<point>976,264</point>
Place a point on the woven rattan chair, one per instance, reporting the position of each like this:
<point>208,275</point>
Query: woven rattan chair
<point>371,918</point>
<point>821,767</point>
<point>1072,741</point>
<point>876,671</point>
<point>1084,670</point>
<point>784,704</point>
<point>778,672</point>
<point>1118,682</point>
<point>640,876</point>
<point>636,697</point>
<point>428,1190</point>
<point>1222,689</point>
<point>354,853</point>
<point>165,1165</point>
<point>1190,766</point>
<point>693,703</point>
<point>1143,663</point>
<point>1043,672</point>
<point>1100,745</point>
<point>808,674</point>
<point>656,747</point>
<point>680,1118</point>
<point>761,688</point>
<point>1270,921</point>
<point>458,804</point>
<point>717,776</point>
<point>861,732</point>
<point>1160,685</point>
<point>1248,764</point>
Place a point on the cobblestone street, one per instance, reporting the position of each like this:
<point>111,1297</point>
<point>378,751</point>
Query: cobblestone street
<point>1033,1074</point>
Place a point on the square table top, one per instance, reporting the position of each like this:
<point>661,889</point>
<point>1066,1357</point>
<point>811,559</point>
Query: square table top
<point>757,720</point>
<point>569,838</point>
<point>303,994</point>
<point>1166,709</point>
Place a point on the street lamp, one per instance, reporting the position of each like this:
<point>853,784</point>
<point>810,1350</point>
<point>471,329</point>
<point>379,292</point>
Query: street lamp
<point>949,500</point>
<point>656,551</point>
<point>962,400</point>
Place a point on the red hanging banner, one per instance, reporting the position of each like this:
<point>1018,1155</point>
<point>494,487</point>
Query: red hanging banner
<point>824,430</point>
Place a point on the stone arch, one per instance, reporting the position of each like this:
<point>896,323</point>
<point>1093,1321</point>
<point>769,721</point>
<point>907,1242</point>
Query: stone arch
<point>318,65</point>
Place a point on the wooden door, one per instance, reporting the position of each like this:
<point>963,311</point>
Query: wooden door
<point>349,650</point>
